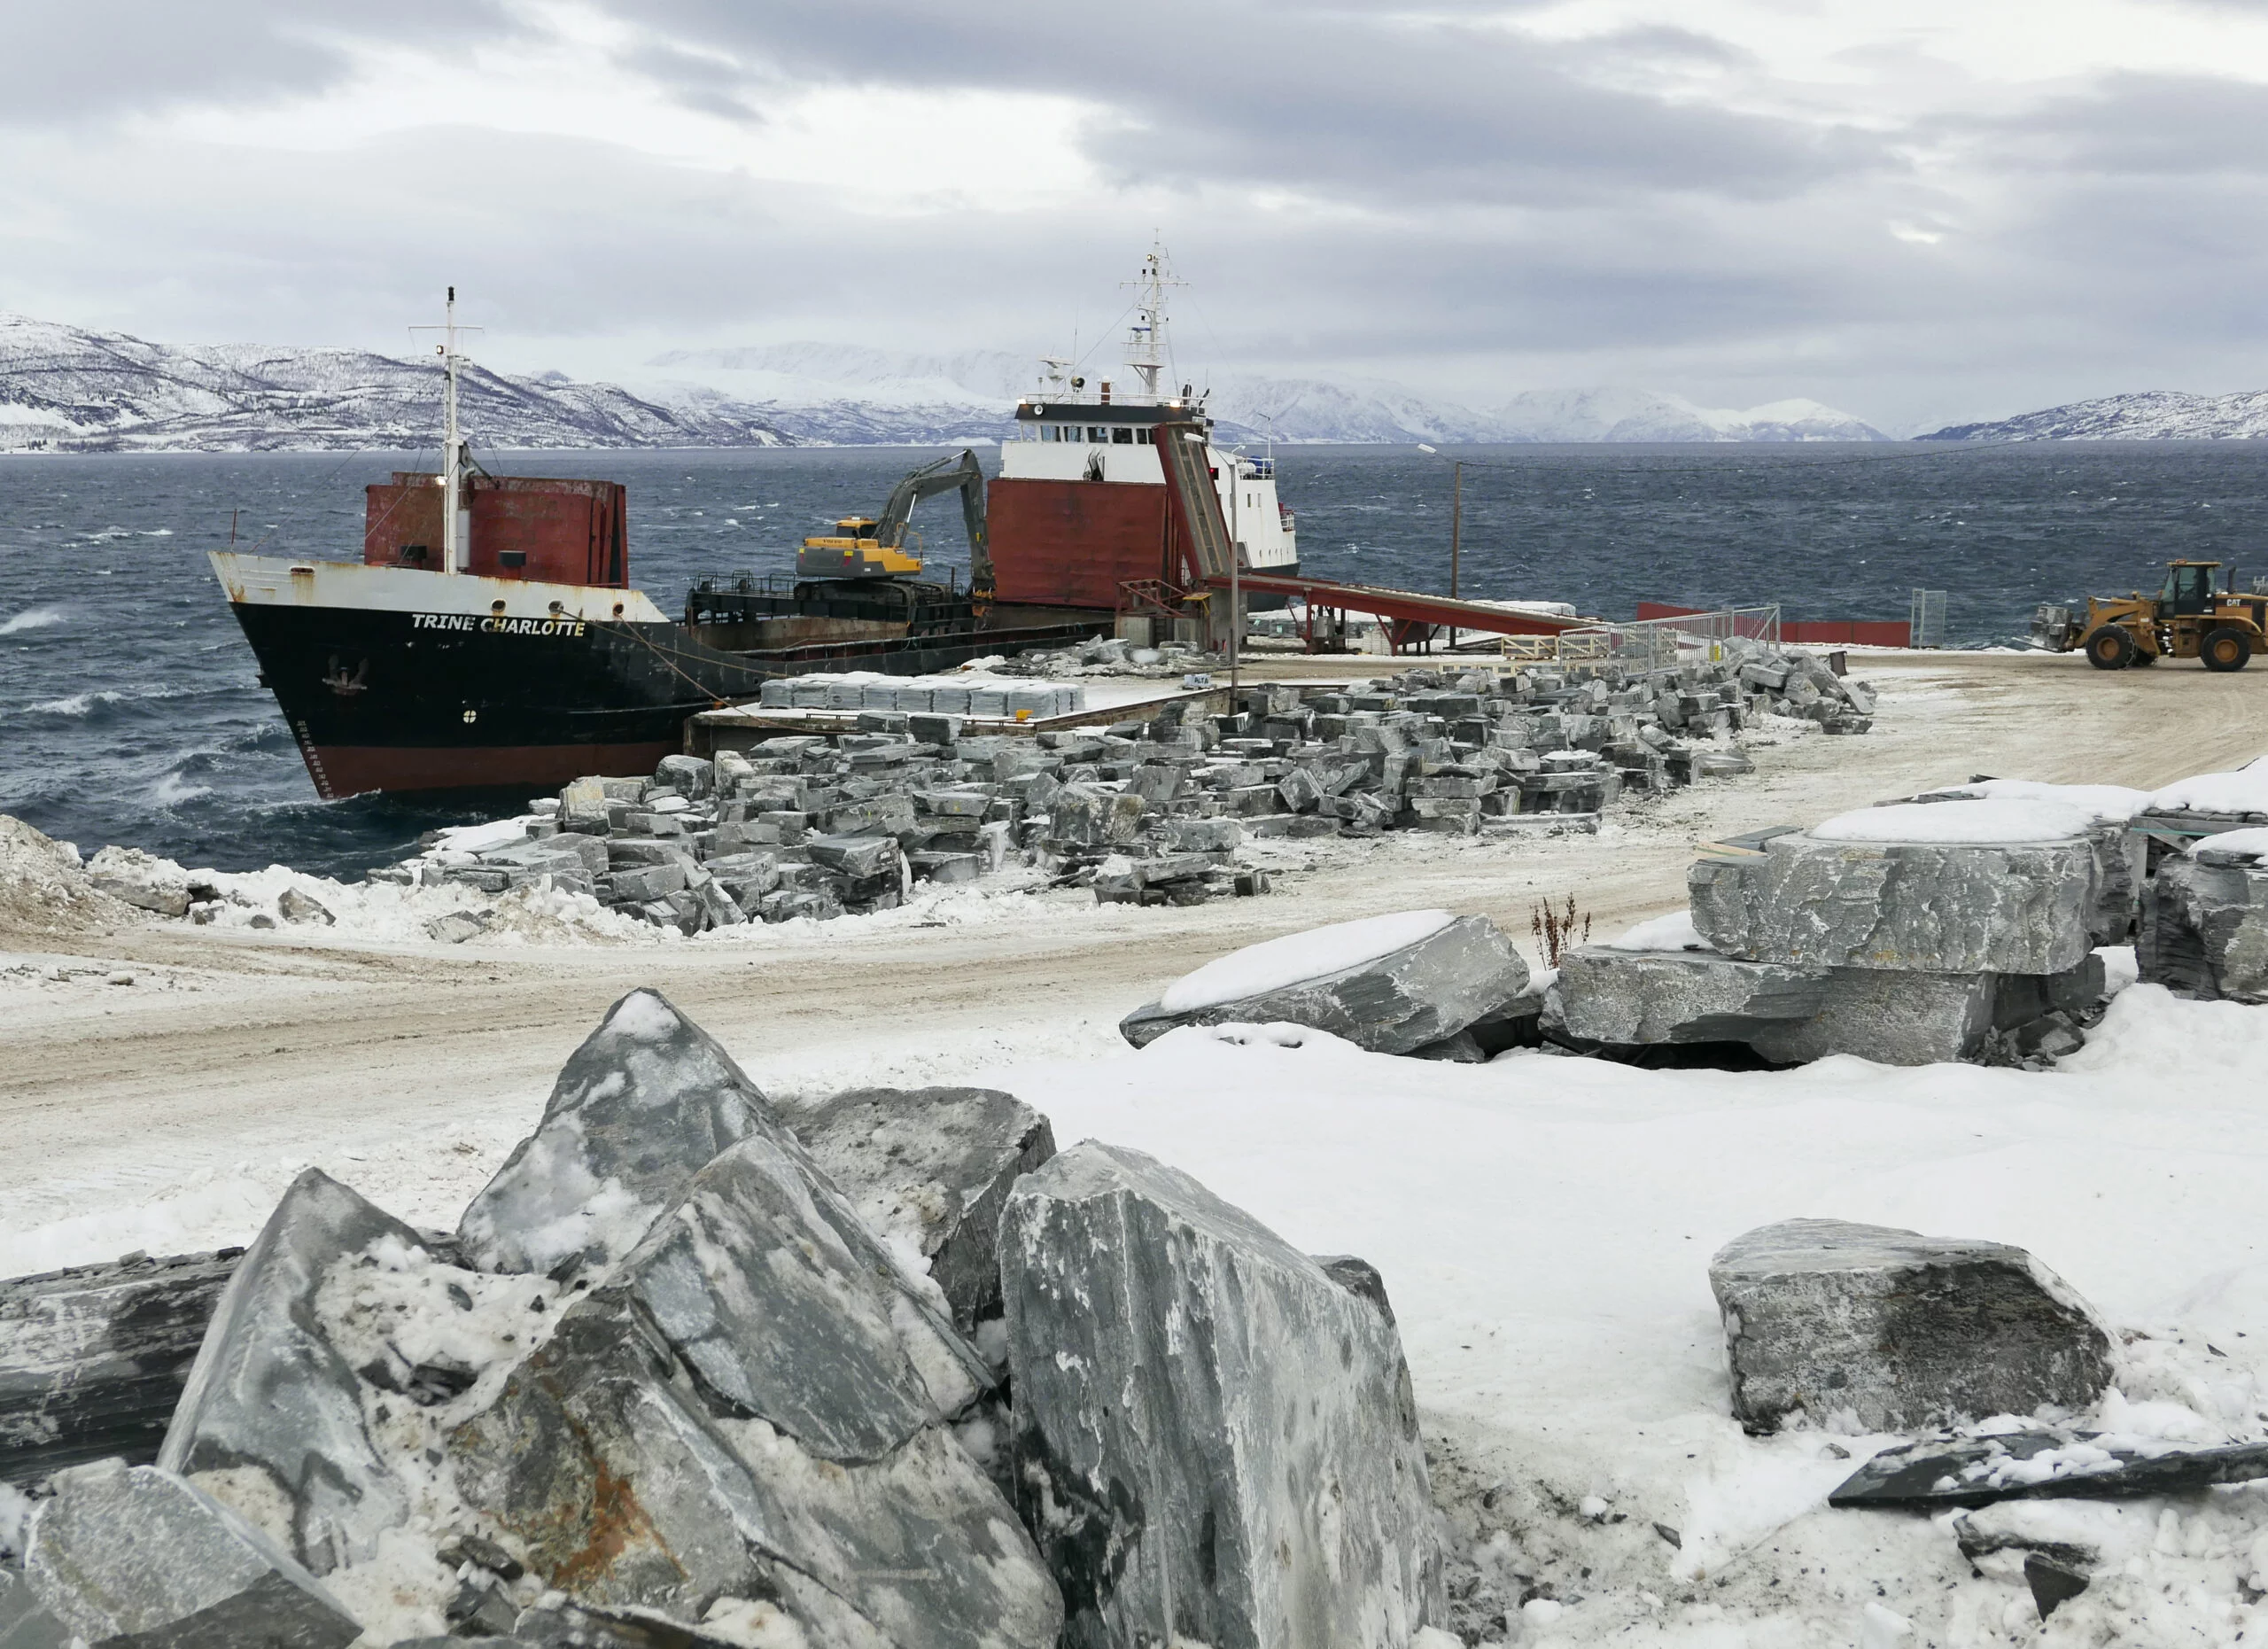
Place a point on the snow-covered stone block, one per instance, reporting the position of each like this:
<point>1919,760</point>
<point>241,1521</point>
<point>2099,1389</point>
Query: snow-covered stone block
<point>930,1169</point>
<point>1389,983</point>
<point>1871,1329</point>
<point>141,879</point>
<point>1947,887</point>
<point>2205,920</point>
<point>271,1420</point>
<point>600,1462</point>
<point>134,1558</point>
<point>1792,1014</point>
<point>1206,1424</point>
<point>639,1109</point>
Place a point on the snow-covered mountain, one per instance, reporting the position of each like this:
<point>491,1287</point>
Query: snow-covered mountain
<point>2158,414</point>
<point>67,389</point>
<point>849,394</point>
<point>1649,415</point>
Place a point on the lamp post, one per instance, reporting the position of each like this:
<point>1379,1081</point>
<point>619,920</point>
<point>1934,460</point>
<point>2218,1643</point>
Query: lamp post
<point>1456,512</point>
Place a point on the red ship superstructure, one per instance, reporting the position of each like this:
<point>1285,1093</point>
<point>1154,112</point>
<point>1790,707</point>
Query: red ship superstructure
<point>1079,515</point>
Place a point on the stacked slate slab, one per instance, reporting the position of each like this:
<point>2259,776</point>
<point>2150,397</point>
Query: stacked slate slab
<point>1904,952</point>
<point>1151,810</point>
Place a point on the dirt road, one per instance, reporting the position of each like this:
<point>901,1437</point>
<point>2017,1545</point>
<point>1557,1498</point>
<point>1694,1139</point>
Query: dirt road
<point>232,1058</point>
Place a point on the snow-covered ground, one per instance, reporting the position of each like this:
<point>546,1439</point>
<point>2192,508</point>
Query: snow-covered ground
<point>1545,1225</point>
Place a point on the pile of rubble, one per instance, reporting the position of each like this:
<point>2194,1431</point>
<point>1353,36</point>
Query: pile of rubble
<point>696,1370</point>
<point>1149,811</point>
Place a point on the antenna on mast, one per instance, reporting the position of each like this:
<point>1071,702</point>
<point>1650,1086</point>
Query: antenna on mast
<point>455,531</point>
<point>1148,347</point>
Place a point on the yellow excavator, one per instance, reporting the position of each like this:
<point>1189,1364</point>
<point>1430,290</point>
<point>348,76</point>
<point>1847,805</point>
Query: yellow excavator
<point>2187,618</point>
<point>863,548</point>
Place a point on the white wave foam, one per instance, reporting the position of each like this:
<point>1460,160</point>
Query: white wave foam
<point>173,789</point>
<point>31,619</point>
<point>78,704</point>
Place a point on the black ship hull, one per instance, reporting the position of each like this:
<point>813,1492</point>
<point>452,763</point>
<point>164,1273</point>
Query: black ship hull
<point>402,697</point>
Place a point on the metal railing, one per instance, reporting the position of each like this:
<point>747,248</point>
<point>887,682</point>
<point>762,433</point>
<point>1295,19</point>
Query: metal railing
<point>1654,643</point>
<point>1926,626</point>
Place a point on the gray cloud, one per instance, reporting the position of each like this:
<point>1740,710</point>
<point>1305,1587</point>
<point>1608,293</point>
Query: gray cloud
<point>1486,214</point>
<point>78,61</point>
<point>1350,104</point>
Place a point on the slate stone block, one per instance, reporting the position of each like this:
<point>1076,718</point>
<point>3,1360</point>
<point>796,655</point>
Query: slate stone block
<point>1932,907</point>
<point>1886,1330</point>
<point>1192,1394</point>
<point>639,1108</point>
<point>932,1168</point>
<point>2205,926</point>
<point>271,1399</point>
<point>1420,994</point>
<point>133,1558</point>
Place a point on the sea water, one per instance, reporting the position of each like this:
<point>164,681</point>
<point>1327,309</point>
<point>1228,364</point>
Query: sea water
<point>130,710</point>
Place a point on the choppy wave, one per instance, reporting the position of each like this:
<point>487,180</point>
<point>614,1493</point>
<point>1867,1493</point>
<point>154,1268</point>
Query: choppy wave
<point>172,790</point>
<point>31,619</point>
<point>77,704</point>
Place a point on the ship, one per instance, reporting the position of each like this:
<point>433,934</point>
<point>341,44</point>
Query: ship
<point>490,635</point>
<point>1083,469</point>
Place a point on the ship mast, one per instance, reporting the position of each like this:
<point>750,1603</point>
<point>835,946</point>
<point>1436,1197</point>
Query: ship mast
<point>1149,350</point>
<point>454,460</point>
<point>452,442</point>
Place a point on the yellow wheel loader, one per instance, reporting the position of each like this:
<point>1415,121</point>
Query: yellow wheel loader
<point>2187,618</point>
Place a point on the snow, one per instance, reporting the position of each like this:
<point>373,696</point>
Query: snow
<point>2243,791</point>
<point>2232,847</point>
<point>2098,801</point>
<point>1673,932</point>
<point>1977,823</point>
<point>1545,1225</point>
<point>1275,963</point>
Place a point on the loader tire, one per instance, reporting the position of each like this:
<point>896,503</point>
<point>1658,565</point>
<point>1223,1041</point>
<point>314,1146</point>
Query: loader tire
<point>2110,648</point>
<point>2226,649</point>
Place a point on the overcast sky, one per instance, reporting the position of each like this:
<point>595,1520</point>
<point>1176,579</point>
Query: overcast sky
<point>1919,212</point>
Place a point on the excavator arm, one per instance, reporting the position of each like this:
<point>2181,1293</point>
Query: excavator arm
<point>944,476</point>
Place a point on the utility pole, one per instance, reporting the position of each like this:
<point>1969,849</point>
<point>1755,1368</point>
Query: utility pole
<point>1457,521</point>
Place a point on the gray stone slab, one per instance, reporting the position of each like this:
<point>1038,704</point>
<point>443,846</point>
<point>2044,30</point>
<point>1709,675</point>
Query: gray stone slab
<point>24,1624</point>
<point>932,1168</point>
<point>1190,1393</point>
<point>2205,926</point>
<point>1939,1475</point>
<point>133,1558</point>
<point>1402,1001</point>
<point>272,1412</point>
<point>1873,1329</point>
<point>786,1308</point>
<point>646,1100</point>
<point>1788,1014</point>
<point>93,1359</point>
<point>1928,907</point>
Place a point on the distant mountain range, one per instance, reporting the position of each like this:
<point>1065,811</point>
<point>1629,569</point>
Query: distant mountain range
<point>69,389</point>
<point>848,393</point>
<point>2150,415</point>
<point>66,389</point>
